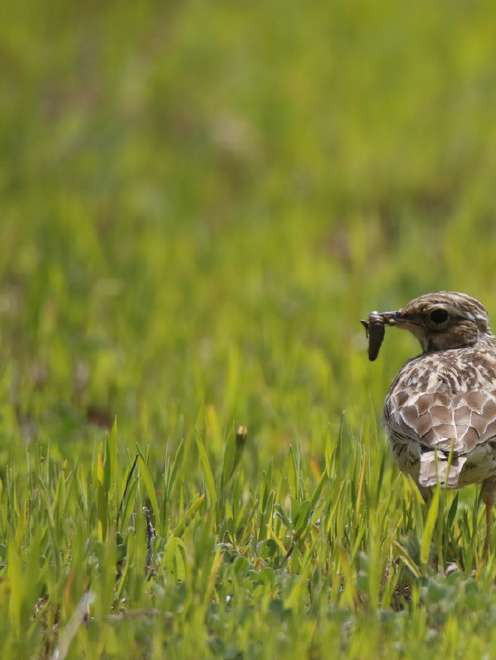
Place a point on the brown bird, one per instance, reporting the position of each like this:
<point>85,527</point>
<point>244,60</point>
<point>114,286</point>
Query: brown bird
<point>440,410</point>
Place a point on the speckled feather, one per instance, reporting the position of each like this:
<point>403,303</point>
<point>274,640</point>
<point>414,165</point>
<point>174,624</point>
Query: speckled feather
<point>440,410</point>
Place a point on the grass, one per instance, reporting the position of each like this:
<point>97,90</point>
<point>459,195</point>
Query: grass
<point>199,203</point>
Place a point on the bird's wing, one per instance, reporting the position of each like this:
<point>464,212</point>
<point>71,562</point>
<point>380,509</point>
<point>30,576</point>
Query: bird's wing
<point>447,422</point>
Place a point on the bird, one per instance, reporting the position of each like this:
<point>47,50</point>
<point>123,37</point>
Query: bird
<point>440,409</point>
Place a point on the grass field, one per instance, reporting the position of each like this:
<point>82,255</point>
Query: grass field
<point>199,201</point>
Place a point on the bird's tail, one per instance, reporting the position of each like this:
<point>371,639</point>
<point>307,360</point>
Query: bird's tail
<point>441,468</point>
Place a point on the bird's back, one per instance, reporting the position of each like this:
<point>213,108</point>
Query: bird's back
<point>440,412</point>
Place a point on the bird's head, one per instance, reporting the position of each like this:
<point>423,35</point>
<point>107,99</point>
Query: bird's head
<point>442,320</point>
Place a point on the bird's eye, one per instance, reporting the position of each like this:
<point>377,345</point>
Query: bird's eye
<point>439,316</point>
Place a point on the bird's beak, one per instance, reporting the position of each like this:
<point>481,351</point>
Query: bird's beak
<point>384,318</point>
<point>391,318</point>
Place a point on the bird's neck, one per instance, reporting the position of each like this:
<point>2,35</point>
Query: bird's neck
<point>435,343</point>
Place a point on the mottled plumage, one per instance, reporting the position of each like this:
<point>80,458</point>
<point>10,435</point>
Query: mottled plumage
<point>440,410</point>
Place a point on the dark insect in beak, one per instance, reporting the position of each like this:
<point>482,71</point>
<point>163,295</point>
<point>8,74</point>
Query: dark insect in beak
<point>374,329</point>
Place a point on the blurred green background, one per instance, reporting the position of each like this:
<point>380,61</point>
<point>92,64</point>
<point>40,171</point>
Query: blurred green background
<point>186,185</point>
<point>200,200</point>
